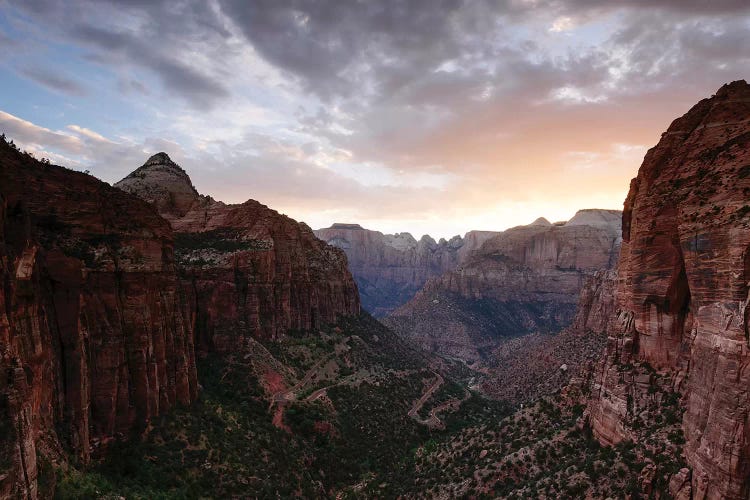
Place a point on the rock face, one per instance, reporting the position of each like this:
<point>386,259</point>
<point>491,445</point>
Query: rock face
<point>162,182</point>
<point>682,292</point>
<point>252,271</point>
<point>523,280</point>
<point>96,332</point>
<point>391,268</point>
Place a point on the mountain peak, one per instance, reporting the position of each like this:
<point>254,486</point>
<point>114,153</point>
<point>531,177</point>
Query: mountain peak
<point>163,183</point>
<point>343,225</point>
<point>597,217</point>
<point>541,221</point>
<point>160,158</point>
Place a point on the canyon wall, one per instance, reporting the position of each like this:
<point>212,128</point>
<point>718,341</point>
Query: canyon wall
<point>682,293</point>
<point>95,329</point>
<point>521,369</point>
<point>391,268</point>
<point>526,279</point>
<point>252,271</point>
<point>104,302</point>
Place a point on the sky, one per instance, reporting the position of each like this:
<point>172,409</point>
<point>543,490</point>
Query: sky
<point>427,116</point>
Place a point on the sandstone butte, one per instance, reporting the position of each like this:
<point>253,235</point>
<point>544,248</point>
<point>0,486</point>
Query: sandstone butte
<point>391,268</point>
<point>100,321</point>
<point>682,293</point>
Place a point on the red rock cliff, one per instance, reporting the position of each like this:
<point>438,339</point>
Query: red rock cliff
<point>95,333</point>
<point>682,291</point>
<point>252,270</point>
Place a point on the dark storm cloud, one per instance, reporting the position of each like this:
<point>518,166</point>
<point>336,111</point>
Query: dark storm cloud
<point>380,61</point>
<point>358,52</point>
<point>53,80</point>
<point>359,48</point>
<point>158,42</point>
<point>340,48</point>
<point>202,90</point>
<point>711,7</point>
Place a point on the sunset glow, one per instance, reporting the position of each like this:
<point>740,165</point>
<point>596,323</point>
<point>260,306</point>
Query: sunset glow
<point>425,116</point>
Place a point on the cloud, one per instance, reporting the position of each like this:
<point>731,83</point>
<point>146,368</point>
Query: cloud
<point>562,23</point>
<point>27,133</point>
<point>55,82</point>
<point>422,109</point>
<point>337,49</point>
<point>713,7</point>
<point>175,41</point>
<point>88,134</point>
<point>202,90</point>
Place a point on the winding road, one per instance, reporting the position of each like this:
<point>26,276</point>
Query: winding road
<point>433,420</point>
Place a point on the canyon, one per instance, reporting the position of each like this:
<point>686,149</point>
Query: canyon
<point>524,280</point>
<point>157,342</point>
<point>390,268</point>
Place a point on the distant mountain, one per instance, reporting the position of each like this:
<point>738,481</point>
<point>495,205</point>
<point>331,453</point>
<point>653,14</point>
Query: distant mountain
<point>391,268</point>
<point>524,280</point>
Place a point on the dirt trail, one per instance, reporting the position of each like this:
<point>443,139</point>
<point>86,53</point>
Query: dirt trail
<point>318,393</point>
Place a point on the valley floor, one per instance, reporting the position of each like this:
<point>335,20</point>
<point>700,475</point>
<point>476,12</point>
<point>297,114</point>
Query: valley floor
<point>352,412</point>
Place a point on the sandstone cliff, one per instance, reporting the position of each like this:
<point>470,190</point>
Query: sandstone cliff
<point>252,271</point>
<point>391,268</point>
<point>95,331</point>
<point>682,295</point>
<point>526,279</point>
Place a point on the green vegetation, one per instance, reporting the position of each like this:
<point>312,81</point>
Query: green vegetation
<point>226,443</point>
<point>344,430</point>
<point>221,240</point>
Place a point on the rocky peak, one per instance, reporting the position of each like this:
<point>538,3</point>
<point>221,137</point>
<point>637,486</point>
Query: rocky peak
<point>428,241</point>
<point>598,218</point>
<point>541,221</point>
<point>456,242</point>
<point>341,225</point>
<point>160,158</point>
<point>163,183</point>
<point>400,241</point>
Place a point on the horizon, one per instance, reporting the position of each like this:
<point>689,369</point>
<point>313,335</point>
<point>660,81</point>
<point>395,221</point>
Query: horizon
<point>420,117</point>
